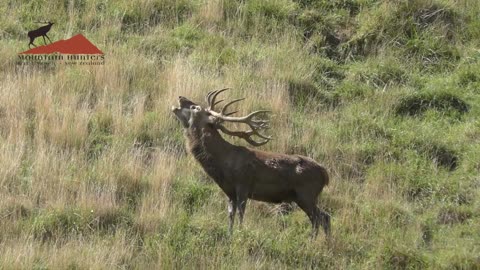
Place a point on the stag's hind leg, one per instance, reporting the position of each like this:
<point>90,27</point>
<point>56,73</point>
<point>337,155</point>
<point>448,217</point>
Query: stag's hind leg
<point>310,208</point>
<point>317,217</point>
<point>322,218</point>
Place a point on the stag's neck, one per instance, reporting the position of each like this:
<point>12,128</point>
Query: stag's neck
<point>207,141</point>
<point>209,149</point>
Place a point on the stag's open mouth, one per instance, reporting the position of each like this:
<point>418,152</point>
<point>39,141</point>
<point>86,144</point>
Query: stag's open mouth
<point>175,108</point>
<point>184,103</point>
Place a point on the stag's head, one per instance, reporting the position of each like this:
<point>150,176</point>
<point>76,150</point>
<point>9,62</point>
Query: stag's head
<point>46,22</point>
<point>192,115</point>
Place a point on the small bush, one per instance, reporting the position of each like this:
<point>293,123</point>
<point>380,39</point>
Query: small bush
<point>168,12</point>
<point>402,258</point>
<point>148,135</point>
<point>455,215</point>
<point>58,222</point>
<point>171,12</point>
<point>381,74</point>
<point>434,53</point>
<point>301,92</point>
<point>215,52</point>
<point>54,224</point>
<point>349,91</point>
<point>192,194</point>
<point>327,73</point>
<point>468,76</point>
<point>422,26</point>
<point>181,40</point>
<point>129,188</point>
<point>418,103</point>
<point>463,262</point>
<point>109,219</point>
<point>100,130</point>
<point>278,10</point>
<point>428,230</point>
<point>439,153</point>
<point>352,6</point>
<point>15,210</point>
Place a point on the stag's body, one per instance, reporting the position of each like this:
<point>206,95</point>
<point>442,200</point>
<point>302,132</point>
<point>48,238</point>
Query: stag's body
<point>244,173</point>
<point>42,31</point>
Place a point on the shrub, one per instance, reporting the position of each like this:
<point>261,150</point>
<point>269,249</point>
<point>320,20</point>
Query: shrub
<point>327,73</point>
<point>453,215</point>
<point>468,75</point>
<point>192,194</point>
<point>278,10</point>
<point>439,153</point>
<point>148,134</point>
<point>129,188</point>
<point>463,262</point>
<point>139,17</point>
<point>300,92</point>
<point>394,257</point>
<point>418,103</point>
<point>55,224</point>
<point>408,23</point>
<point>100,131</point>
<point>380,74</point>
<point>180,40</point>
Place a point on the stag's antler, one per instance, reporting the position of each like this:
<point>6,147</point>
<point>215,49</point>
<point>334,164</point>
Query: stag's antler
<point>223,116</point>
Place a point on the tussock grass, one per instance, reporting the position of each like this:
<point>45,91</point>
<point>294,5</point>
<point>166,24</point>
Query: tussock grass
<point>94,172</point>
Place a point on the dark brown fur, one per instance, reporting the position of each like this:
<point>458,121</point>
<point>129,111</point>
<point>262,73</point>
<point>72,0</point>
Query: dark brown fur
<point>243,173</point>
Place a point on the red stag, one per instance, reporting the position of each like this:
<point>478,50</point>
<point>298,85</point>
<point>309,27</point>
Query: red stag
<point>244,173</point>
<point>42,31</point>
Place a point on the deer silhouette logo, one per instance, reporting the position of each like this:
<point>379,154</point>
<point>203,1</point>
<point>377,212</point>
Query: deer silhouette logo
<point>42,31</point>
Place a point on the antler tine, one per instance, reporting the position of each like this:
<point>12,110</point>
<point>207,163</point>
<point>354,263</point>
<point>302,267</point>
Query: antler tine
<point>255,143</point>
<point>255,132</point>
<point>255,124</point>
<point>246,135</point>
<point>214,96</point>
<point>230,113</point>
<point>251,115</point>
<point>224,109</point>
<point>208,96</point>
<point>218,102</point>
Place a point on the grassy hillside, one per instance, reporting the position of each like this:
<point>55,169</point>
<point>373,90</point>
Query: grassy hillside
<point>94,172</point>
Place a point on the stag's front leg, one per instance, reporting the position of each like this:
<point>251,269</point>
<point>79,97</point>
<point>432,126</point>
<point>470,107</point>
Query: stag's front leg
<point>232,208</point>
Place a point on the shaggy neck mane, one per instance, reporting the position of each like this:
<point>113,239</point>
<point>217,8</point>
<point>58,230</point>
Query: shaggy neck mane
<point>207,146</point>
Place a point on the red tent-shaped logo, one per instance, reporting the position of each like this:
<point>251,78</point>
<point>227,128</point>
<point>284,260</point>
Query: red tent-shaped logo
<point>75,45</point>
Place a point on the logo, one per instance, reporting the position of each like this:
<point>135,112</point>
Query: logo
<point>77,50</point>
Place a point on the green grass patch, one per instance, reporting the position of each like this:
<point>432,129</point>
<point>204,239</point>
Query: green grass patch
<point>418,103</point>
